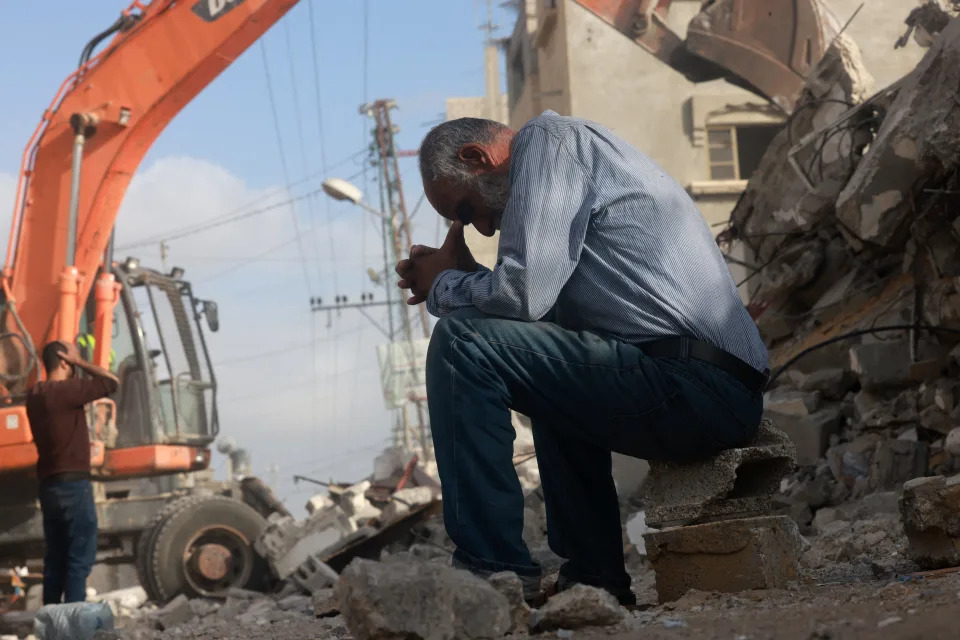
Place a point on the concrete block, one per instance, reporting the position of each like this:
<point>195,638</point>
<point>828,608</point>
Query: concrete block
<point>735,483</point>
<point>314,575</point>
<point>930,512</point>
<point>881,365</point>
<point>811,434</point>
<point>728,556</point>
<point>287,543</point>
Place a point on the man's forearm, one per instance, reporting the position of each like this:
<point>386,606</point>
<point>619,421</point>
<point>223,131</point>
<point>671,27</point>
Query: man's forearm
<point>94,370</point>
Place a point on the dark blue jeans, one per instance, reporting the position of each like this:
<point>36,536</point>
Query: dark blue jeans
<point>70,533</point>
<point>586,396</point>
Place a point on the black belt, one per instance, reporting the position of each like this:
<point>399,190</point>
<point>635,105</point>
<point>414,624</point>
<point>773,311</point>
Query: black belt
<point>689,348</point>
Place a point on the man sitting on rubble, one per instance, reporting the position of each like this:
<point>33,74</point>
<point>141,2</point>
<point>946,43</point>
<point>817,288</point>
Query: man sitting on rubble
<point>55,409</point>
<point>610,319</point>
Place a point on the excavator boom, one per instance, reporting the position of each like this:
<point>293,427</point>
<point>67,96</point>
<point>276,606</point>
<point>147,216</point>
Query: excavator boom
<point>163,53</point>
<point>769,46</point>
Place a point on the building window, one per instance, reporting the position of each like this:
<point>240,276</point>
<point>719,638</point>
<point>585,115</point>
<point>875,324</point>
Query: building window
<point>735,150</point>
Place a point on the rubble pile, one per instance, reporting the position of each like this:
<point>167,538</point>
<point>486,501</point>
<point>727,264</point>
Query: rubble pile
<point>851,226</point>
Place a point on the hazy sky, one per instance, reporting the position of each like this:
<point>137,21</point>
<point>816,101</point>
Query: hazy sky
<point>307,405</point>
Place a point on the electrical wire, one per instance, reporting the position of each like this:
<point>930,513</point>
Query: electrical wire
<point>241,212</point>
<point>283,163</point>
<point>332,244</point>
<point>194,230</point>
<point>855,334</point>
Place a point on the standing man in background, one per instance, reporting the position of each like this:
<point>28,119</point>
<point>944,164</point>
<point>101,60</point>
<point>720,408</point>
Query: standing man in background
<point>610,319</point>
<point>55,409</point>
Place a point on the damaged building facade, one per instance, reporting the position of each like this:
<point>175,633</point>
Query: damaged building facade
<point>708,136</point>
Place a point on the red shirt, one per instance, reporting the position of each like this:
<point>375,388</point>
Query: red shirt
<point>59,423</point>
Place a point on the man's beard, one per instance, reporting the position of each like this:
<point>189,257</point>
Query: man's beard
<point>494,191</point>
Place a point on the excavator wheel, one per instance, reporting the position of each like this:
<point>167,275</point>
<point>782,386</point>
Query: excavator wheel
<point>143,562</point>
<point>204,547</point>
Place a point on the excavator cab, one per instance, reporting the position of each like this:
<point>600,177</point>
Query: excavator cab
<point>167,389</point>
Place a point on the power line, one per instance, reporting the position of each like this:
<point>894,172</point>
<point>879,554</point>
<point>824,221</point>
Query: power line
<point>323,160</point>
<point>283,162</point>
<point>220,221</point>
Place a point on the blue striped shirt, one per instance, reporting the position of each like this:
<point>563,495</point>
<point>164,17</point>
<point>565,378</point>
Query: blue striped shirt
<point>595,231</point>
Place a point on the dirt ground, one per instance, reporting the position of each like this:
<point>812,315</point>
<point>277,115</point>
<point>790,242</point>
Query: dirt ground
<point>896,608</point>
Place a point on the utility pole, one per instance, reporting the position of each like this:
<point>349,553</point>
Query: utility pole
<point>397,242</point>
<point>491,68</point>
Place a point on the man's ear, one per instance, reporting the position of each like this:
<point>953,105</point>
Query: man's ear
<point>475,156</point>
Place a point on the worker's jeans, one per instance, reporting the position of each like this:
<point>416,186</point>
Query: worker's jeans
<point>70,533</point>
<point>586,396</point>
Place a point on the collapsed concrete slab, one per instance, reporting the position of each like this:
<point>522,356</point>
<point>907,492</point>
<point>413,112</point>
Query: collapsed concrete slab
<point>930,512</point>
<point>919,138</point>
<point>727,556</point>
<point>735,483</point>
<point>778,203</point>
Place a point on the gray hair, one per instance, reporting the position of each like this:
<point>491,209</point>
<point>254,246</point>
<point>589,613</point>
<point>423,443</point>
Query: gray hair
<point>440,150</point>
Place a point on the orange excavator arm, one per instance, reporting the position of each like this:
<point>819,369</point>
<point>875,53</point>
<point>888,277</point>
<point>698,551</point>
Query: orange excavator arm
<point>104,118</point>
<point>767,46</point>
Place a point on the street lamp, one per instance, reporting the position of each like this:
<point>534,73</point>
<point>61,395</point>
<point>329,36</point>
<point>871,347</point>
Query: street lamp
<point>340,189</point>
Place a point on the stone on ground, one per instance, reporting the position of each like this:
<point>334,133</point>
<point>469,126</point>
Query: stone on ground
<point>509,584</point>
<point>576,607</point>
<point>415,599</point>
<point>930,511</point>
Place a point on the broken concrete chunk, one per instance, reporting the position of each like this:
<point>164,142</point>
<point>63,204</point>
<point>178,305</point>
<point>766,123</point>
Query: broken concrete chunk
<point>886,409</point>
<point>314,574</point>
<point>726,556</point>
<point>414,599</point>
<point>681,493</point>
<point>577,607</point>
<point>318,502</point>
<point>325,603</point>
<point>354,502</point>
<point>831,383</point>
<point>403,501</point>
<point>510,585</point>
<point>919,131</point>
<point>787,402</point>
<point>896,461</point>
<point>881,365</point>
<point>952,442</point>
<point>811,434</point>
<point>930,512</point>
<point>296,602</point>
<point>287,543</point>
<point>175,613</point>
